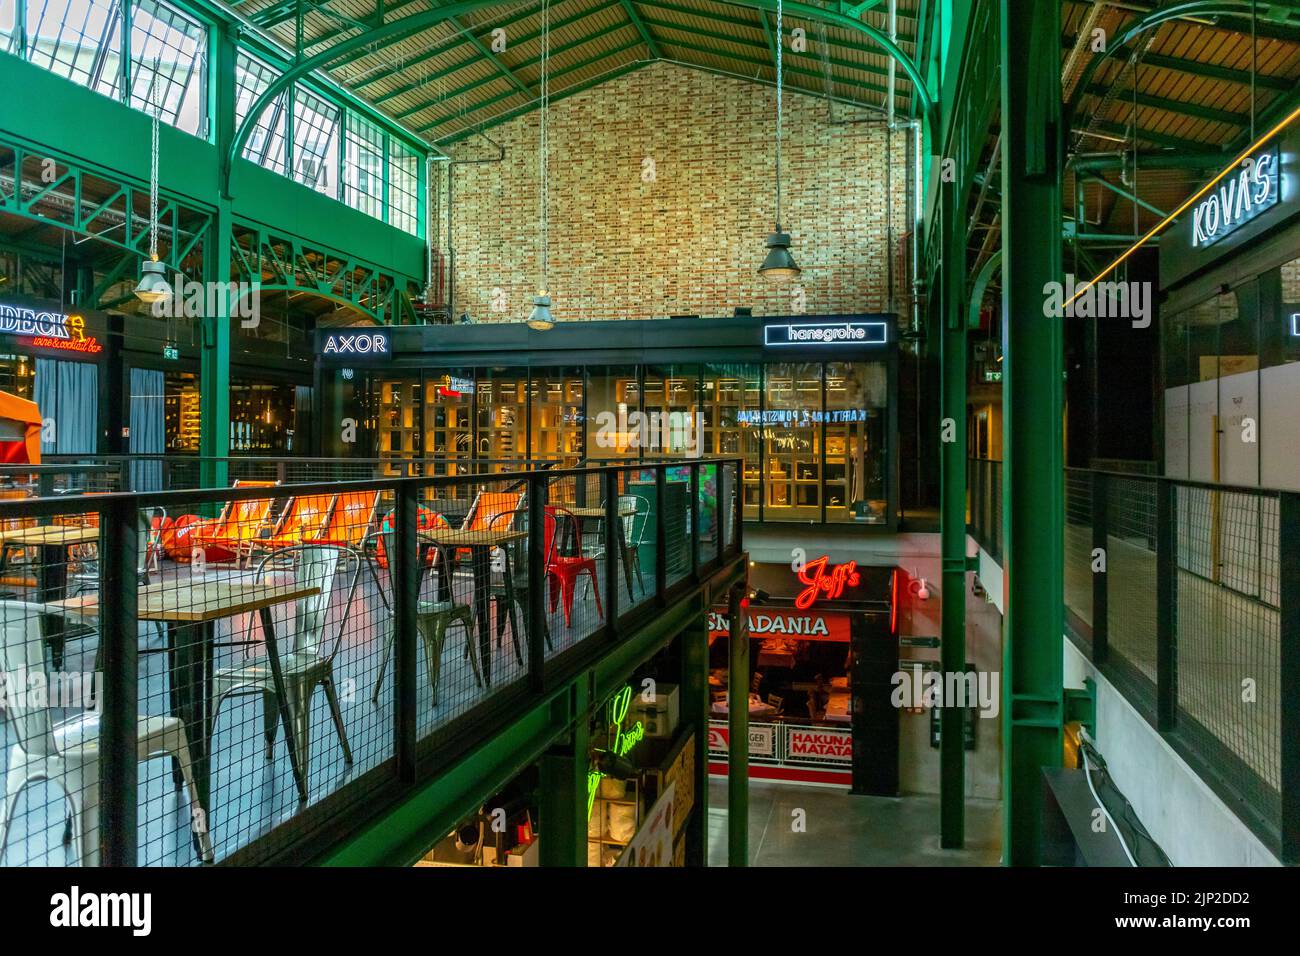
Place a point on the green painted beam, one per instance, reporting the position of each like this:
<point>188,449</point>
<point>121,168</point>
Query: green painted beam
<point>1148,21</point>
<point>952,506</point>
<point>980,285</point>
<point>630,8</point>
<point>491,57</point>
<point>1182,107</point>
<point>1212,71</point>
<point>857,9</point>
<point>533,104</point>
<point>562,789</point>
<point>747,24</point>
<point>770,46</point>
<point>331,35</point>
<point>1033,406</point>
<point>1151,136</point>
<point>459,41</point>
<point>450,95</point>
<point>1126,194</point>
<point>403,835</point>
<point>417,23</point>
<point>789,87</point>
<point>764,62</point>
<point>737,729</point>
<point>770,36</point>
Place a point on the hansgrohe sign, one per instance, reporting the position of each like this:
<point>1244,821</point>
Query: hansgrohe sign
<point>1238,198</point>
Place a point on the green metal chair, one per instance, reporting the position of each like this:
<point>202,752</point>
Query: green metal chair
<point>432,619</point>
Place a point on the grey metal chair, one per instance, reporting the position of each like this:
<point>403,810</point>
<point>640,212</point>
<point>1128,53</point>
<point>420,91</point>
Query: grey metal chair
<point>309,660</point>
<point>432,620</point>
<point>65,753</point>
<point>514,593</point>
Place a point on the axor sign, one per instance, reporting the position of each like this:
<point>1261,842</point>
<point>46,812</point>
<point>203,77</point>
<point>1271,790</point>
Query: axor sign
<point>1237,198</point>
<point>357,344</point>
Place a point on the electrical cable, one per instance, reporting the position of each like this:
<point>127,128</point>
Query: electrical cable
<point>1087,773</point>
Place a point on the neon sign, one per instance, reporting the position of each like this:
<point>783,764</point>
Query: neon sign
<point>1238,199</point>
<point>620,742</point>
<point>49,330</point>
<point>822,584</point>
<point>15,320</point>
<point>826,333</point>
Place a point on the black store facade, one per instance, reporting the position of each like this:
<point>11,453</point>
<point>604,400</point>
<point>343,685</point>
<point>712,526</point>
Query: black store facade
<point>809,402</point>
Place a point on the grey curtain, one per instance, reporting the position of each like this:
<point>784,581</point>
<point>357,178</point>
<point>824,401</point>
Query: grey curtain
<point>68,393</point>
<point>148,427</point>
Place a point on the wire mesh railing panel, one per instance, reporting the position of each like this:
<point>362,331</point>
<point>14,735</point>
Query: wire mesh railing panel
<point>471,615</point>
<point>573,545</point>
<point>678,534</point>
<point>260,633</point>
<point>706,513</point>
<point>984,512</point>
<point>636,561</point>
<point>1227,631</point>
<point>1131,577</point>
<point>52,694</point>
<point>729,491</point>
<point>1078,549</point>
<point>258,680</point>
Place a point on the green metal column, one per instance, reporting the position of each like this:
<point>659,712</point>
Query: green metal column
<point>695,712</point>
<point>738,729</point>
<point>952,523</point>
<point>562,793</point>
<point>214,356</point>
<point>1032,402</point>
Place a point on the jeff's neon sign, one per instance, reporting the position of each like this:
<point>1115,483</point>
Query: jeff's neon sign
<point>621,742</point>
<point>823,583</point>
<point>1238,199</point>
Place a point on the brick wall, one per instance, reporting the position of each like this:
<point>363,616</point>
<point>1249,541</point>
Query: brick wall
<point>685,235</point>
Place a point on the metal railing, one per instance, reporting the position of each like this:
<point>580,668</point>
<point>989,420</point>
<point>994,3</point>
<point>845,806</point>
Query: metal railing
<point>1186,595</point>
<point>178,640</point>
<point>984,522</point>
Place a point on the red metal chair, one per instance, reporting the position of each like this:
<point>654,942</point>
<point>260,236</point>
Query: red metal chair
<point>562,570</point>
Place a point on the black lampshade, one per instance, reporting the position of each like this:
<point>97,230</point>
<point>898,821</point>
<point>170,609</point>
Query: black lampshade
<point>778,264</point>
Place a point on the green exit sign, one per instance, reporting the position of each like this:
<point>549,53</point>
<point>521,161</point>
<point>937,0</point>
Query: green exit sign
<point>171,353</point>
<point>992,375</point>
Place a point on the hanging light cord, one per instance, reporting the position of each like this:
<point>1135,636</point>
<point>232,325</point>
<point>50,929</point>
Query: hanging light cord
<point>543,159</point>
<point>780,42</point>
<point>153,168</point>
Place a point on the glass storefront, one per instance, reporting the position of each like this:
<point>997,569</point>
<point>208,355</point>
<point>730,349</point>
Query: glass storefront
<point>814,436</point>
<point>1232,380</point>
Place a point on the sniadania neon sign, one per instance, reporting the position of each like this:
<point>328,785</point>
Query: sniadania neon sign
<point>621,741</point>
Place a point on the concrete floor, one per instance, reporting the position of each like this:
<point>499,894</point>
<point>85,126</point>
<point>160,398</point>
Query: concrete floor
<point>845,830</point>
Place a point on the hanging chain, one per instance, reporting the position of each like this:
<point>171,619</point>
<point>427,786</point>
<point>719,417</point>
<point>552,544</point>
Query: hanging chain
<point>543,137</point>
<point>780,42</point>
<point>153,168</point>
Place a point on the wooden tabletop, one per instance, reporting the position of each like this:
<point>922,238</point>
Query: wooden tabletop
<point>459,538</point>
<point>623,512</point>
<point>49,534</point>
<point>193,601</point>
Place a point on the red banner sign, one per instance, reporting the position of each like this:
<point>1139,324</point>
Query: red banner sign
<point>823,583</point>
<point>786,622</point>
<point>820,744</point>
